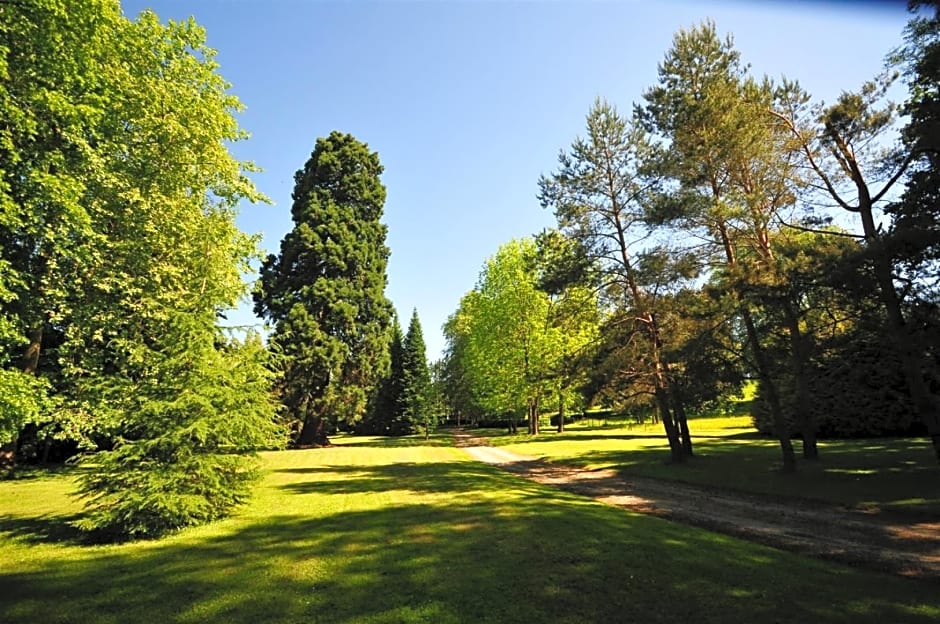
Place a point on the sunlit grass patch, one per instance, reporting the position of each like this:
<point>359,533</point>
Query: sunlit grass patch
<point>885,472</point>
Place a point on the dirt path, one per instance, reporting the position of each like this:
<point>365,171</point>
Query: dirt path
<point>884,541</point>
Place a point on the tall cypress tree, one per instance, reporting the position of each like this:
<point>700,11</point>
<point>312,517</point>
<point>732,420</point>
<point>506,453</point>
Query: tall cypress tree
<point>325,291</point>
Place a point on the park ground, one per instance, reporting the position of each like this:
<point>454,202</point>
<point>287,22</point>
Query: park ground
<point>408,530</point>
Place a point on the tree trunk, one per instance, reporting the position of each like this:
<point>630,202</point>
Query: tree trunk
<point>685,436</point>
<point>31,356</point>
<point>678,411</point>
<point>677,455</point>
<point>534,416</point>
<point>313,433</point>
<point>29,364</point>
<point>561,413</point>
<point>805,418</point>
<point>8,456</point>
<point>781,429</point>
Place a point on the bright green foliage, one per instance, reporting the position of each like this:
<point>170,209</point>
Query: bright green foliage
<point>23,399</point>
<point>415,415</point>
<point>180,460</point>
<point>117,205</point>
<point>512,343</point>
<point>325,291</point>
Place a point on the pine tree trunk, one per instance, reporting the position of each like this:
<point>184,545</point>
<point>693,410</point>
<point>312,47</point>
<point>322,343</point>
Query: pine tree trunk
<point>677,455</point>
<point>805,418</point>
<point>781,429</point>
<point>685,436</point>
<point>662,391</point>
<point>678,411</point>
<point>925,404</point>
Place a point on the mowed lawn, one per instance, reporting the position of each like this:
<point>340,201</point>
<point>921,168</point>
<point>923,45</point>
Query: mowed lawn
<point>402,531</point>
<point>880,473</point>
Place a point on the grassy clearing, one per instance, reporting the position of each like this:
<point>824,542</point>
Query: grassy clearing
<point>888,473</point>
<point>400,531</point>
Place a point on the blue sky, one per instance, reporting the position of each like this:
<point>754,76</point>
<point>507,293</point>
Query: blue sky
<point>467,103</point>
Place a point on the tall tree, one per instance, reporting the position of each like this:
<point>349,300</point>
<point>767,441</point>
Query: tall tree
<point>325,291</point>
<point>416,381</point>
<point>844,145</point>
<point>735,176</point>
<point>597,195</point>
<point>914,236</point>
<point>119,251</point>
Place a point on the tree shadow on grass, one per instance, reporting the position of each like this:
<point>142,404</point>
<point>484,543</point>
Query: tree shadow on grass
<point>525,556</point>
<point>47,528</point>
<point>437,439</point>
<point>457,477</point>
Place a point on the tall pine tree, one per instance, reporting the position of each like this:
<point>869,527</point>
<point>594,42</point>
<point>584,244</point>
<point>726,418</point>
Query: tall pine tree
<point>325,291</point>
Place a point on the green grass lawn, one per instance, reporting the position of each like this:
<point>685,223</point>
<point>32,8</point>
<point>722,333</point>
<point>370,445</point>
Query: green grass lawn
<point>403,531</point>
<point>889,473</point>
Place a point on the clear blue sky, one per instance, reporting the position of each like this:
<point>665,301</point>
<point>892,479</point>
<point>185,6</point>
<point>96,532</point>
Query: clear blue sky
<point>467,103</point>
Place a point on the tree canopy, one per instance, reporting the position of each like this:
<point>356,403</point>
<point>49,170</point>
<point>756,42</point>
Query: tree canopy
<point>119,252</point>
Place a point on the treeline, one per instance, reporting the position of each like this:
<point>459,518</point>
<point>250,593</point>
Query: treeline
<point>702,242</point>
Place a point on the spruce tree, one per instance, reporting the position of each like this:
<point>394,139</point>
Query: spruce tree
<point>386,404</point>
<point>325,290</point>
<point>414,413</point>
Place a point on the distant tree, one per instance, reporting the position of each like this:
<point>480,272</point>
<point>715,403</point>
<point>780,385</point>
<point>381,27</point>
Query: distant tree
<point>508,339</point>
<point>325,291</point>
<point>415,411</point>
<point>455,384</point>
<point>385,407</point>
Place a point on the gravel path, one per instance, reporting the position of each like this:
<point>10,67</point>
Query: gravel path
<point>900,544</point>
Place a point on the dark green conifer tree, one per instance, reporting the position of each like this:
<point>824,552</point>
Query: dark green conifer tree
<point>385,406</point>
<point>415,415</point>
<point>325,291</point>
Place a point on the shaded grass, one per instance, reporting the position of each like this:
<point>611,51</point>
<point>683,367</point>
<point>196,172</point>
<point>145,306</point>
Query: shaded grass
<point>885,473</point>
<point>398,533</point>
